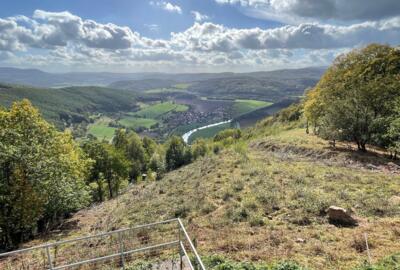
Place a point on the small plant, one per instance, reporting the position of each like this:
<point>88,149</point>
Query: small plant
<point>256,220</point>
<point>287,266</point>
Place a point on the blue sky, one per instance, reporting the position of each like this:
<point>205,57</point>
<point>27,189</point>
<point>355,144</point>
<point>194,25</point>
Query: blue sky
<point>140,14</point>
<point>189,35</point>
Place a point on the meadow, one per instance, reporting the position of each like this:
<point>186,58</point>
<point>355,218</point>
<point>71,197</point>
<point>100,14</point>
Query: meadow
<point>157,110</point>
<point>136,122</point>
<point>243,106</point>
<point>101,129</point>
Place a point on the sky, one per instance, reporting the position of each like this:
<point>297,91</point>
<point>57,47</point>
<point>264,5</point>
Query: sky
<point>189,35</point>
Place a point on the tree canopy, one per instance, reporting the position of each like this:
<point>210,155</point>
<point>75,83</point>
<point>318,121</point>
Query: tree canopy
<point>357,97</point>
<point>42,173</point>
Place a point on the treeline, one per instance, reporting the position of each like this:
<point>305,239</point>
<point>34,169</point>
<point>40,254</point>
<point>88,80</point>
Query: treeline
<point>358,99</point>
<point>45,175</point>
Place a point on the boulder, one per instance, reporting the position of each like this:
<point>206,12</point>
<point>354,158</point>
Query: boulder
<point>340,216</point>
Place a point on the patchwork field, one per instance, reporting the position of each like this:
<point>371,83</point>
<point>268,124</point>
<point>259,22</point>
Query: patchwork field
<point>157,110</point>
<point>101,130</point>
<point>242,106</point>
<point>136,122</point>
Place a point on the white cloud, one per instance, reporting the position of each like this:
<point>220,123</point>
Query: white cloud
<point>212,37</point>
<point>167,6</point>
<point>342,10</point>
<point>64,40</point>
<point>198,17</point>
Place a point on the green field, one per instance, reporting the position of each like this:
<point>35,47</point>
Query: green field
<point>157,110</point>
<point>208,132</point>
<point>164,90</point>
<point>242,106</point>
<point>101,130</point>
<point>135,122</point>
<point>182,86</point>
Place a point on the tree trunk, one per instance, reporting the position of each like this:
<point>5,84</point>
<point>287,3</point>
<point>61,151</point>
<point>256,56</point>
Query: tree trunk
<point>363,147</point>
<point>110,188</point>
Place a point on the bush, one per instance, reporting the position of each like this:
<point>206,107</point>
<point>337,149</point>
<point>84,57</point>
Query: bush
<point>234,134</point>
<point>287,266</point>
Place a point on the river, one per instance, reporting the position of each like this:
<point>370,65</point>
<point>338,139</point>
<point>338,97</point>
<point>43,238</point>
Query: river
<point>187,135</point>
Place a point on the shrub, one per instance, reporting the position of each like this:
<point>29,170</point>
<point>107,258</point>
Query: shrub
<point>287,266</point>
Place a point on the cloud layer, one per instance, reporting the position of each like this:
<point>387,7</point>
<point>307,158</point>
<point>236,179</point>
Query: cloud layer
<point>64,40</point>
<point>343,10</point>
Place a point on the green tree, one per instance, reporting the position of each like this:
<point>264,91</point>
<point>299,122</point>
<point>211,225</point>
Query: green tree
<point>150,147</point>
<point>109,171</point>
<point>120,139</point>
<point>354,100</point>
<point>157,165</point>
<point>42,174</point>
<point>136,155</point>
<point>175,154</point>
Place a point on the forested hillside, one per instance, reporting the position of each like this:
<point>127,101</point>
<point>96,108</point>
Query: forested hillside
<point>63,106</point>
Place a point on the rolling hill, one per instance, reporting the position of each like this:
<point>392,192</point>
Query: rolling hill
<point>142,85</point>
<point>40,78</point>
<point>72,104</point>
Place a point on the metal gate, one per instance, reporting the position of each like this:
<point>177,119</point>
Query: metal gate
<point>160,245</point>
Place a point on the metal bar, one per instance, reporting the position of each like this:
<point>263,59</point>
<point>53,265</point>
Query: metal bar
<point>49,260</point>
<point>86,237</point>
<point>186,255</point>
<point>121,250</point>
<point>117,254</point>
<point>180,247</point>
<point>191,245</point>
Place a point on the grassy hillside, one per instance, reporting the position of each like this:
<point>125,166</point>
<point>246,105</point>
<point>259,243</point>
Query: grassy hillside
<point>242,106</point>
<point>253,116</point>
<point>72,104</point>
<point>264,198</point>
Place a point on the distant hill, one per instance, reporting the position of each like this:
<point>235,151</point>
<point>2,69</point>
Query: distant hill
<point>40,78</point>
<point>271,86</point>
<point>72,104</point>
<point>142,85</point>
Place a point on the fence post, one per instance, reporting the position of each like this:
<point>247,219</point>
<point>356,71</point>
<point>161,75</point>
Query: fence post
<point>49,260</point>
<point>121,250</point>
<point>180,247</point>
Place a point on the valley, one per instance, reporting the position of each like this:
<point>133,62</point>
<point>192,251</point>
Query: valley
<point>157,105</point>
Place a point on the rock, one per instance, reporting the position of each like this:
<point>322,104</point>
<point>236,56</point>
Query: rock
<point>394,200</point>
<point>371,167</point>
<point>300,240</point>
<point>340,216</point>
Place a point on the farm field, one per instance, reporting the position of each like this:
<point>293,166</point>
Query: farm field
<point>101,130</point>
<point>242,106</point>
<point>136,122</point>
<point>157,110</point>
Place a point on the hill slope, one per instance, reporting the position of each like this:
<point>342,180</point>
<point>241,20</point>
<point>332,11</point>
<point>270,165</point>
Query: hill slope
<point>71,104</point>
<point>45,79</point>
<point>265,197</point>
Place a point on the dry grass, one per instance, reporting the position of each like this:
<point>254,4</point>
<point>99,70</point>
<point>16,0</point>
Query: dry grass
<point>267,202</point>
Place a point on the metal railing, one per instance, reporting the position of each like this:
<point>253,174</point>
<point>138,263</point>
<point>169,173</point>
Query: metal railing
<point>167,241</point>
